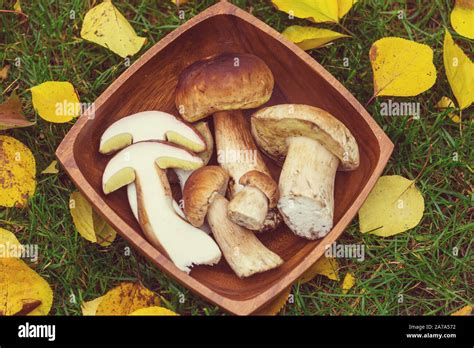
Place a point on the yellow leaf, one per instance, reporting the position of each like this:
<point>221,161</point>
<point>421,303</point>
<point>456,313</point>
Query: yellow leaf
<point>348,282</point>
<point>316,11</point>
<point>106,26</point>
<point>462,18</point>
<point>11,115</point>
<point>88,223</point>
<point>127,298</point>
<point>467,310</point>
<point>4,72</point>
<point>275,306</point>
<point>90,307</point>
<point>179,2</point>
<point>9,245</point>
<point>393,206</point>
<point>460,72</point>
<point>17,6</point>
<point>17,172</point>
<point>308,38</point>
<point>154,311</point>
<point>326,266</point>
<point>344,6</point>
<point>401,67</point>
<point>52,168</point>
<point>446,103</point>
<point>55,101</point>
<point>22,290</point>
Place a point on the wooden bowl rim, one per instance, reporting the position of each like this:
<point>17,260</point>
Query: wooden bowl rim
<point>66,157</point>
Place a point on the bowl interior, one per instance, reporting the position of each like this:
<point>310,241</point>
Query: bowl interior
<point>152,88</point>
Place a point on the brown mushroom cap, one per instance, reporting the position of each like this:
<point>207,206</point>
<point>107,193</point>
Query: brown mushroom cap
<point>199,191</point>
<point>272,126</point>
<point>230,81</point>
<point>264,183</point>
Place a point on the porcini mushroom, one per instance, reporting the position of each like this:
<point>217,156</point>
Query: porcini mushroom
<point>315,145</point>
<point>223,85</point>
<point>204,196</point>
<point>144,164</point>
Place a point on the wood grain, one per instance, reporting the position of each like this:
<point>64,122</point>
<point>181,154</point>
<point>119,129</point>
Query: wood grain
<point>149,84</point>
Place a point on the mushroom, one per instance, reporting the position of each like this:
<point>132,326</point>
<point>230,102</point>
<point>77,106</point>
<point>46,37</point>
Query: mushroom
<point>223,85</point>
<point>204,195</point>
<point>144,163</point>
<point>315,145</point>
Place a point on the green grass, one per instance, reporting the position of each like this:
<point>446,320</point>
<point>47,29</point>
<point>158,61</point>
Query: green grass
<point>419,264</point>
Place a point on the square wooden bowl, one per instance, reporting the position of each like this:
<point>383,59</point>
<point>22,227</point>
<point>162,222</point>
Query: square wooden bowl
<point>149,84</point>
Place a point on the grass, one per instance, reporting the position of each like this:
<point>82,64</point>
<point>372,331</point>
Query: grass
<point>418,264</point>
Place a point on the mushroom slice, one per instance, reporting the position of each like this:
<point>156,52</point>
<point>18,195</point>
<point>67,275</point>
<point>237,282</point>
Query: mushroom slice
<point>150,125</point>
<point>315,144</point>
<point>244,82</point>
<point>203,195</point>
<point>144,163</point>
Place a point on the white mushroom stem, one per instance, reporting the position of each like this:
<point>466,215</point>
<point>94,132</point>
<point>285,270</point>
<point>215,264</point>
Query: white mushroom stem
<point>307,188</point>
<point>249,208</point>
<point>244,253</point>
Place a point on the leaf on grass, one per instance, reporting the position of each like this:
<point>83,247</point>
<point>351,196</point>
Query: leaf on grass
<point>179,2</point>
<point>460,72</point>
<point>106,26</point>
<point>9,245</point>
<point>4,72</point>
<point>348,282</point>
<point>462,18</point>
<point>467,310</point>
<point>22,290</point>
<point>446,103</point>
<point>17,6</point>
<point>17,172</point>
<point>275,306</point>
<point>52,168</point>
<point>88,223</point>
<point>344,6</point>
<point>90,307</point>
<point>56,101</point>
<point>308,38</point>
<point>154,311</point>
<point>127,298</point>
<point>326,266</point>
<point>11,115</point>
<point>401,67</point>
<point>316,11</point>
<point>393,206</point>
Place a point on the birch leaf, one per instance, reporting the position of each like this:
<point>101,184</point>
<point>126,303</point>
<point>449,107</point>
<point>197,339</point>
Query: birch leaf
<point>90,307</point>
<point>316,11</point>
<point>348,282</point>
<point>462,18</point>
<point>466,310</point>
<point>401,67</point>
<point>326,266</point>
<point>88,223</point>
<point>153,311</point>
<point>4,72</point>
<point>52,168</point>
<point>106,26</point>
<point>17,6</point>
<point>308,38</point>
<point>344,6</point>
<point>9,244</point>
<point>393,206</point>
<point>446,103</point>
<point>56,101</point>
<point>11,115</point>
<point>17,172</point>
<point>460,72</point>
<point>275,306</point>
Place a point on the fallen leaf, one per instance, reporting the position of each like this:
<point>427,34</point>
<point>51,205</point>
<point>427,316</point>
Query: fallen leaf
<point>154,311</point>
<point>344,6</point>
<point>467,310</point>
<point>17,6</point>
<point>326,266</point>
<point>106,26</point>
<point>460,72</point>
<point>275,306</point>
<point>401,67</point>
<point>462,18</point>
<point>56,101</point>
<point>11,115</point>
<point>90,307</point>
<point>127,298</point>
<point>179,2</point>
<point>22,290</point>
<point>9,244</point>
<point>52,168</point>
<point>348,282</point>
<point>4,72</point>
<point>17,172</point>
<point>308,38</point>
<point>316,11</point>
<point>446,103</point>
<point>88,223</point>
<point>393,206</point>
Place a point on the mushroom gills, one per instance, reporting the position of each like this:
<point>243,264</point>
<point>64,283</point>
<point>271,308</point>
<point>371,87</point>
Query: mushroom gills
<point>307,188</point>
